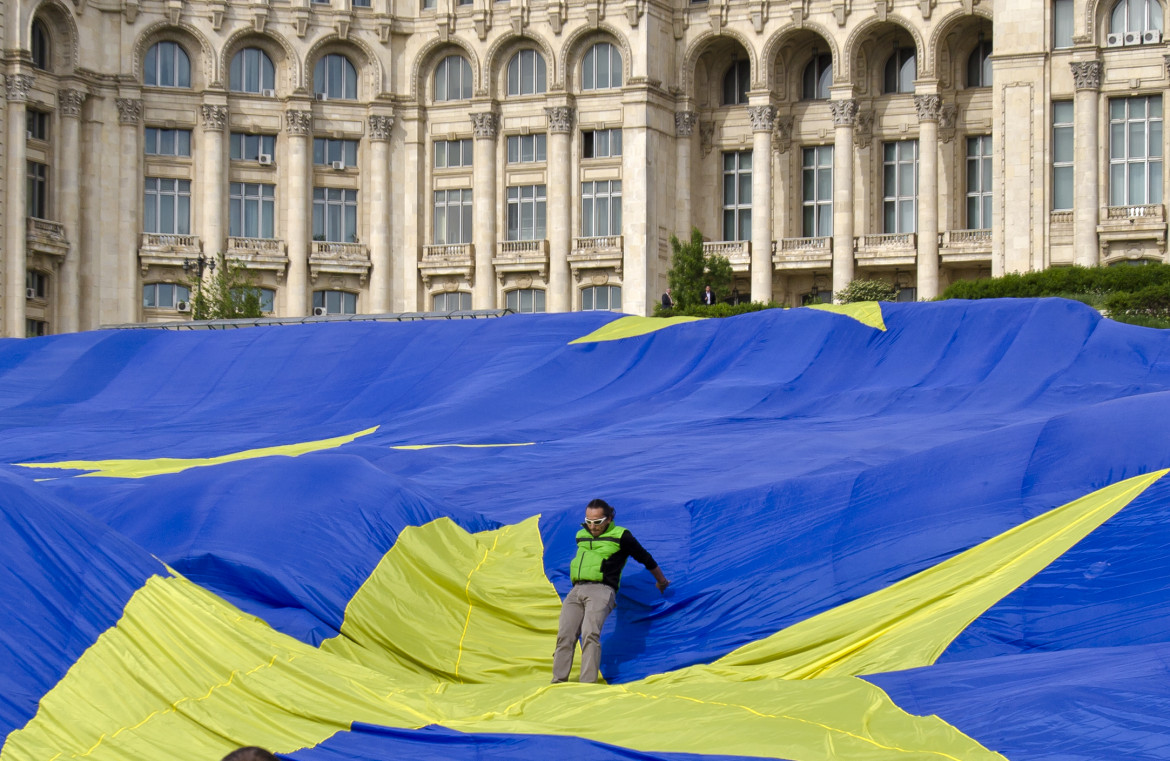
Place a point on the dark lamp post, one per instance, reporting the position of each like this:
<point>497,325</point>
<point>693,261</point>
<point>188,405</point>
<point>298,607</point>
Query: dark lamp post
<point>200,264</point>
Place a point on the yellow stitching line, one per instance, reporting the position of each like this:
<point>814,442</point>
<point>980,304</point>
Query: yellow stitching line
<point>467,594</point>
<point>748,709</point>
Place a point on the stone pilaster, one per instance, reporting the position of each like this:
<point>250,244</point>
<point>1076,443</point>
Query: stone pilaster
<point>1086,104</point>
<point>298,225</point>
<point>844,117</point>
<point>380,211</point>
<point>763,119</point>
<point>126,308</point>
<point>485,127</point>
<point>929,108</point>
<point>214,191</point>
<point>560,126</point>
<point>69,194</point>
<point>684,131</point>
<point>15,243</point>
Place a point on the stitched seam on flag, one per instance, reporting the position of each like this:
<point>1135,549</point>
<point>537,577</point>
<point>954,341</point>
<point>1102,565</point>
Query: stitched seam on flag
<point>826,727</point>
<point>467,594</point>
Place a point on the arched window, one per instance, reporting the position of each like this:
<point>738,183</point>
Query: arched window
<point>335,77</point>
<point>818,75</point>
<point>40,46</point>
<point>453,79</point>
<point>527,74</point>
<point>901,71</point>
<point>1136,16</point>
<point>167,65</point>
<point>735,83</point>
<point>452,302</point>
<point>979,65</point>
<point>252,71</point>
<point>602,67</point>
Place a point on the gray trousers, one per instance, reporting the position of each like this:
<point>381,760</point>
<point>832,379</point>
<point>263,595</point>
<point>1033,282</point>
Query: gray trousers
<point>583,613</point>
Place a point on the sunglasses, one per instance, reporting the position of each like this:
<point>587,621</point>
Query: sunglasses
<point>595,521</point>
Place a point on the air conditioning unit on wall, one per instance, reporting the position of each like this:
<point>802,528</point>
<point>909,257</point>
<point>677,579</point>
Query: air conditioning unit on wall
<point>264,159</point>
<point>1114,40</point>
<point>30,293</point>
<point>268,93</point>
<point>319,311</point>
<point>183,306</point>
<point>1151,37</point>
<point>1133,38</point>
<point>322,96</point>
<point>339,165</point>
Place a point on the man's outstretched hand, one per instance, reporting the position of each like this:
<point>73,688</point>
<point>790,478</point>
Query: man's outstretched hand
<point>662,584</point>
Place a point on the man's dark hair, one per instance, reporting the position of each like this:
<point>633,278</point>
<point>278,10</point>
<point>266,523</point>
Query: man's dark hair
<point>250,753</point>
<point>603,505</point>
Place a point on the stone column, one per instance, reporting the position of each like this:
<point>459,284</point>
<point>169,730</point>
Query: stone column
<point>299,125</point>
<point>126,295</point>
<point>486,126</point>
<point>762,118</point>
<point>684,131</point>
<point>69,282</point>
<point>844,117</point>
<point>15,240</point>
<point>560,215</point>
<point>380,265</point>
<point>929,108</point>
<point>214,184</point>
<point>1086,247</point>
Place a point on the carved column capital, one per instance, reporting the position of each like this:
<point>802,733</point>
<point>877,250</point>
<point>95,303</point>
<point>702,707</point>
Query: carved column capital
<point>485,125</point>
<point>684,123</point>
<point>214,117</point>
<point>762,117</point>
<point>929,107</point>
<point>297,122</point>
<point>844,112</point>
<point>1086,74</point>
<point>18,86</point>
<point>380,126</point>
<point>69,102</point>
<point>560,118</point>
<point>129,110</point>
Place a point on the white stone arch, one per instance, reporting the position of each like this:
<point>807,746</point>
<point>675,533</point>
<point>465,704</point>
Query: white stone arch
<point>700,45</point>
<point>501,51</point>
<point>429,56</point>
<point>865,30</point>
<point>182,32</point>
<point>269,42</point>
<point>64,50</point>
<point>770,58</point>
<point>367,63</point>
<point>579,43</point>
<point>946,25</point>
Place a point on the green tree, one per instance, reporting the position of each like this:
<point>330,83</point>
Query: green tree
<point>691,271</point>
<point>866,290</point>
<point>228,292</point>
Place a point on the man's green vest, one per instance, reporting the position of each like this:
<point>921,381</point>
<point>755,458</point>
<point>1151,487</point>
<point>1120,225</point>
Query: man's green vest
<point>592,551</point>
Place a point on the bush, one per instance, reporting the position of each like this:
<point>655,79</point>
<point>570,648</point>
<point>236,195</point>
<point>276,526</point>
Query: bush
<point>691,271</point>
<point>1069,282</point>
<point>716,310</point>
<point>866,290</point>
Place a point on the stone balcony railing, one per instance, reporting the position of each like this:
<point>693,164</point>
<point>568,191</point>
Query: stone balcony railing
<point>447,259</point>
<point>957,246</point>
<point>1136,231</point>
<point>886,248</point>
<point>167,249</point>
<point>597,252</point>
<point>802,253</point>
<point>44,236</point>
<point>521,256</point>
<point>259,253</point>
<point>738,252</point>
<point>1062,217</point>
<point>1144,213</point>
<point>339,258</point>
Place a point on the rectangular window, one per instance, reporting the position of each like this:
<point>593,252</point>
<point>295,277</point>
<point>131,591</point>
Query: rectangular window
<point>526,149</point>
<point>335,215</point>
<point>737,195</point>
<point>327,150</point>
<point>526,212</point>
<point>601,143</point>
<point>452,216</point>
<point>35,328</point>
<point>900,187</point>
<point>252,210</point>
<point>979,182</point>
<point>38,190</point>
<point>817,182</point>
<point>37,282</point>
<point>1135,151</point>
<point>601,208</point>
<point>1062,155</point>
<point>38,125</point>
<point>168,142</point>
<point>428,5</point>
<point>452,153</point>
<point>335,302</point>
<point>1062,23</point>
<point>251,147</point>
<point>357,4</point>
<point>166,207</point>
<point>164,295</point>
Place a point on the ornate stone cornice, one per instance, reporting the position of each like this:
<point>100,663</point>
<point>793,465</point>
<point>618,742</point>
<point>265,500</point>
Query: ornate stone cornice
<point>1086,74</point>
<point>298,122</point>
<point>380,126</point>
<point>762,117</point>
<point>684,123</point>
<point>214,117</point>
<point>18,86</point>
<point>560,118</point>
<point>69,102</point>
<point>129,110</point>
<point>485,124</point>
<point>844,112</point>
<point>929,107</point>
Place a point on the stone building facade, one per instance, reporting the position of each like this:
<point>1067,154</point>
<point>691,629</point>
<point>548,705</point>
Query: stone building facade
<point>401,155</point>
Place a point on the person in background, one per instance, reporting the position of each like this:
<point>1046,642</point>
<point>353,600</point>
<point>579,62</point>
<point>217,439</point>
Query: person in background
<point>667,300</point>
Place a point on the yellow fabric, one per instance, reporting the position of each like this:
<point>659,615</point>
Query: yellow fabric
<point>627,327</point>
<point>457,630</point>
<point>866,312</point>
<point>162,465</point>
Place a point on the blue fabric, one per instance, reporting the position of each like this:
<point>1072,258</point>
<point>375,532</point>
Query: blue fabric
<point>775,464</point>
